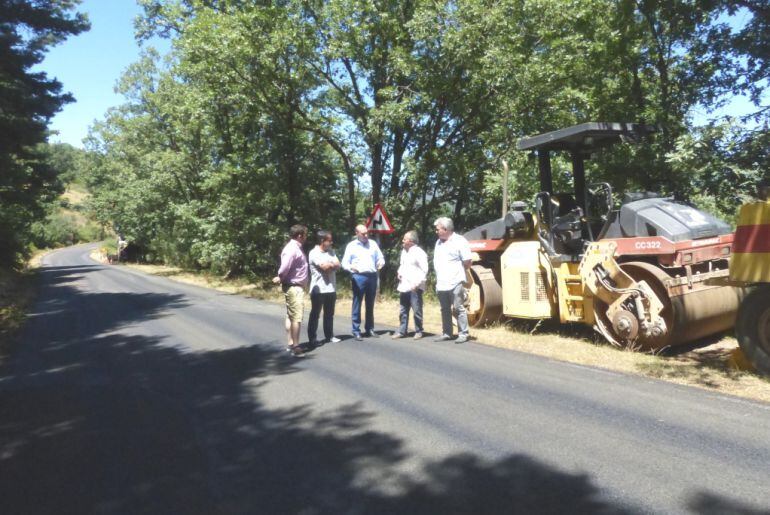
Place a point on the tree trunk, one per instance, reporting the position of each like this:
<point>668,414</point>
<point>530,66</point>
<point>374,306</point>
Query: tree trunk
<point>377,169</point>
<point>351,194</point>
<point>289,161</point>
<point>398,158</point>
<point>457,215</point>
<point>424,225</point>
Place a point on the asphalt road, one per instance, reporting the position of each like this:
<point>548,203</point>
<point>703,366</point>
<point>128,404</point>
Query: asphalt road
<point>134,394</point>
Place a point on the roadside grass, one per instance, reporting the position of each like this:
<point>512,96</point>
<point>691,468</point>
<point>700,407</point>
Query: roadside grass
<point>17,291</point>
<point>710,364</point>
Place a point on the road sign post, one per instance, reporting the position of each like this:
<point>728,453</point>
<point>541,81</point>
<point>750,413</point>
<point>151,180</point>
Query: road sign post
<point>378,223</point>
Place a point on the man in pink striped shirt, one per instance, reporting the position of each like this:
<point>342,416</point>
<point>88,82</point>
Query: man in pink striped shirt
<point>292,276</point>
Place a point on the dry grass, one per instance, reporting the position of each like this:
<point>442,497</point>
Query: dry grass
<point>17,290</point>
<point>77,219</point>
<point>75,195</point>
<point>711,364</point>
<point>36,258</point>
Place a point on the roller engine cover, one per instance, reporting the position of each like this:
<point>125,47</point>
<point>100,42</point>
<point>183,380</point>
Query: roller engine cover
<point>673,220</point>
<point>515,224</point>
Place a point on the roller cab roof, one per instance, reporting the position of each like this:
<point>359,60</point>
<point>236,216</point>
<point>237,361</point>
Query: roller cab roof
<point>586,137</point>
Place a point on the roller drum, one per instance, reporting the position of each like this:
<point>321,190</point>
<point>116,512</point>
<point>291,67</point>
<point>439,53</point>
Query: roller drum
<point>704,312</point>
<point>490,295</point>
<point>689,315</point>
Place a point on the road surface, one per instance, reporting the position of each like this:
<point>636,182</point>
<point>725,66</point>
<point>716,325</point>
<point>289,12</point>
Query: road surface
<point>132,394</point>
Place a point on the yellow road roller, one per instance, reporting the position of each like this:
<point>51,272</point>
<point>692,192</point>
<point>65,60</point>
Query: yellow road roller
<point>639,272</point>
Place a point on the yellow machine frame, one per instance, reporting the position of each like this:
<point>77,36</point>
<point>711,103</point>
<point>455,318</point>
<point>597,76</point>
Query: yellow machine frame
<point>535,288</point>
<point>751,267</point>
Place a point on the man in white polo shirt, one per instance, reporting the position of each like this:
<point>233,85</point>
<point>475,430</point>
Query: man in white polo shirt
<point>451,258</point>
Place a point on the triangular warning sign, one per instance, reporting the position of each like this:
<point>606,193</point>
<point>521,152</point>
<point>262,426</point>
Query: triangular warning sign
<point>378,221</point>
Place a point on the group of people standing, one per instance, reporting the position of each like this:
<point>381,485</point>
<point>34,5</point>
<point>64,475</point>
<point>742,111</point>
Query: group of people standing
<point>363,259</point>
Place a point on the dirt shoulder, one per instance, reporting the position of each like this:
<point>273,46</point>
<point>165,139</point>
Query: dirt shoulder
<point>17,291</point>
<point>710,365</point>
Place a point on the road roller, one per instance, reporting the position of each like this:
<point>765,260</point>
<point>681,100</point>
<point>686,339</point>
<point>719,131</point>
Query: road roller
<point>750,268</point>
<point>640,272</point>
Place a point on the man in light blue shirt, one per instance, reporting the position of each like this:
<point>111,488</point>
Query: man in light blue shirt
<point>363,259</point>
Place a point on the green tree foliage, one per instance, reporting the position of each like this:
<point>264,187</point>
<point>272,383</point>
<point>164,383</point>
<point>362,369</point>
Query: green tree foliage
<point>196,172</point>
<point>65,222</point>
<point>722,167</point>
<point>28,100</point>
<point>268,113</point>
<point>752,42</point>
<point>66,160</point>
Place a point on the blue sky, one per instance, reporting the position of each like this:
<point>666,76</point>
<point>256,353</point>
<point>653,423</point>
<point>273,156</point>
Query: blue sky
<point>90,64</point>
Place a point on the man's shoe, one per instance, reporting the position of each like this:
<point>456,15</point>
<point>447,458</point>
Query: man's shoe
<point>462,338</point>
<point>358,337</point>
<point>417,336</point>
<point>296,350</point>
<point>396,336</point>
<point>443,338</point>
<point>334,339</point>
<point>371,334</point>
<point>317,343</point>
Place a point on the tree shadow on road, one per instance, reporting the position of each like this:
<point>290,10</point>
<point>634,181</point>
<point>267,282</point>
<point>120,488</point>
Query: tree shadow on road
<point>165,432</point>
<point>95,420</point>
<point>704,503</point>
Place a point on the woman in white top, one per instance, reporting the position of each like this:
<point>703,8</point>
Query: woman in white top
<point>323,288</point>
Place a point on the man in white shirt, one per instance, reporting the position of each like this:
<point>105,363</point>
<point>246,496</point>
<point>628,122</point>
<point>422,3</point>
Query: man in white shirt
<point>451,259</point>
<point>323,288</point>
<point>412,272</point>
<point>363,259</point>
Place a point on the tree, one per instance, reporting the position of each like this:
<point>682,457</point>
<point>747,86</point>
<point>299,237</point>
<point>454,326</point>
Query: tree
<point>199,167</point>
<point>267,113</point>
<point>28,100</point>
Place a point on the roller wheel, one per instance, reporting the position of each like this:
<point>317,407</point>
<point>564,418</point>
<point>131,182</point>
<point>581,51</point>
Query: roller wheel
<point>752,328</point>
<point>654,277</point>
<point>490,296</point>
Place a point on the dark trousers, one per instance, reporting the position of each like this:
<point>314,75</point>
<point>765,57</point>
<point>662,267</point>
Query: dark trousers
<point>364,289</point>
<point>318,301</point>
<point>413,300</point>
